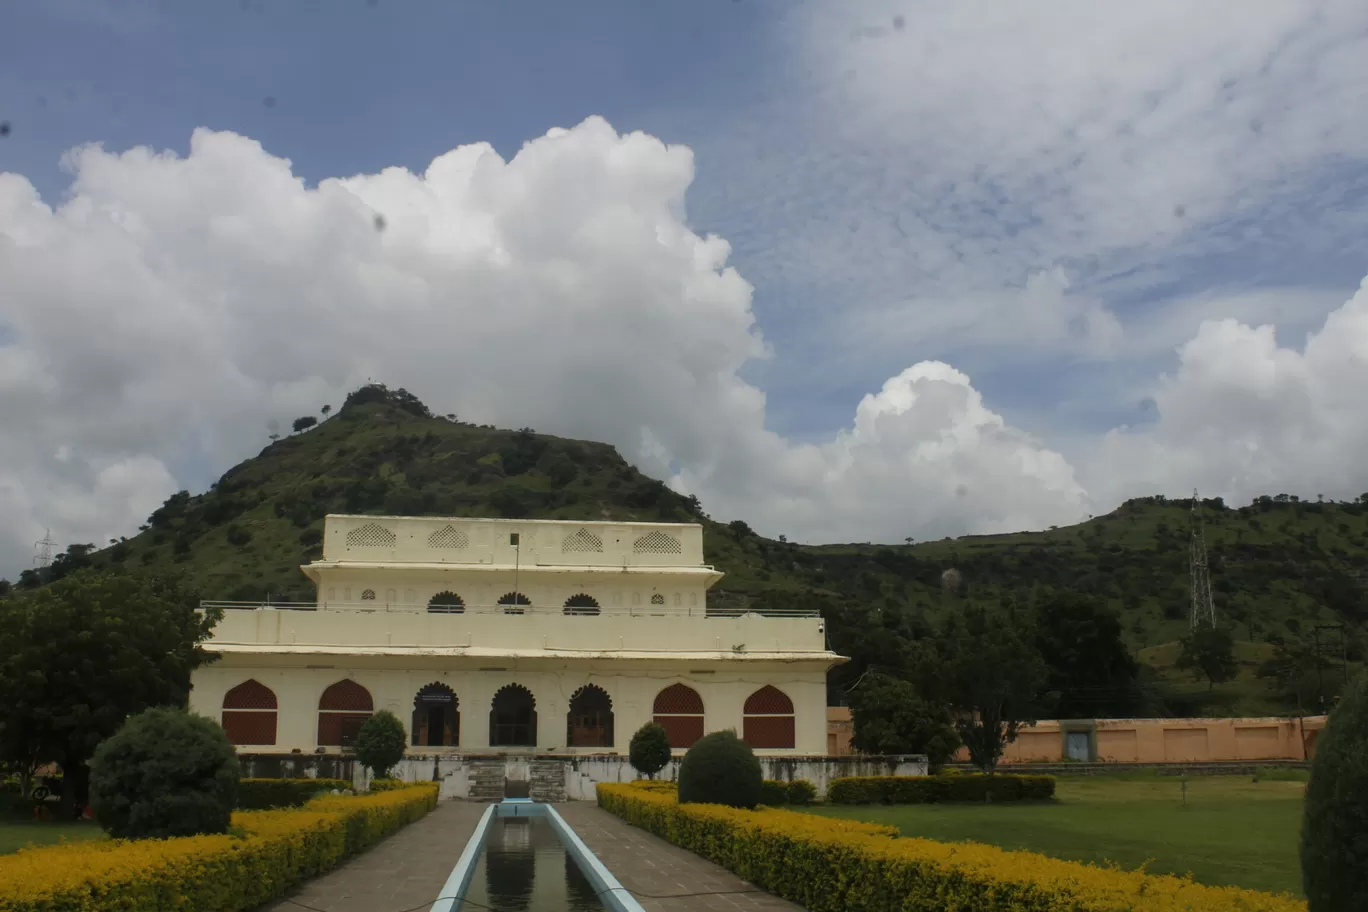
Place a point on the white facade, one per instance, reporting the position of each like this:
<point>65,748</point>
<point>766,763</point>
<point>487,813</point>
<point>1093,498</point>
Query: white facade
<point>637,622</point>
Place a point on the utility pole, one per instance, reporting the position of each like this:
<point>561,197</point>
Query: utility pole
<point>1203,609</point>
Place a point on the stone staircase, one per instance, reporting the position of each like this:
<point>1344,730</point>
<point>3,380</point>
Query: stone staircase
<point>486,778</point>
<point>548,780</point>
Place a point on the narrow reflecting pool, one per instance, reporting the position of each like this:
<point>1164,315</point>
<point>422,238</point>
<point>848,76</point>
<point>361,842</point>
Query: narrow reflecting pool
<point>525,867</point>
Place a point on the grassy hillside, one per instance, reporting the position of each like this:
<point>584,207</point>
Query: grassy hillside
<point>1279,567</point>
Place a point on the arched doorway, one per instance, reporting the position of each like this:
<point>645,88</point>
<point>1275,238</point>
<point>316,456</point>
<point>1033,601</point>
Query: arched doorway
<point>341,710</point>
<point>513,602</point>
<point>767,719</point>
<point>590,720</point>
<point>581,604</point>
<point>249,714</point>
<point>679,710</point>
<point>436,719</point>
<point>513,718</point>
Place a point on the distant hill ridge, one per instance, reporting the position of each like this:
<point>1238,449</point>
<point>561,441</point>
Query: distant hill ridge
<point>1278,566</point>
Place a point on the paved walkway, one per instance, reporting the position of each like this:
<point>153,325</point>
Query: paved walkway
<point>648,866</point>
<point>408,870</point>
<point>405,871</point>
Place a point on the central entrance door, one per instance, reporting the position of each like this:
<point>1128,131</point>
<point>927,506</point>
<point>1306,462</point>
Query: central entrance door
<point>513,718</point>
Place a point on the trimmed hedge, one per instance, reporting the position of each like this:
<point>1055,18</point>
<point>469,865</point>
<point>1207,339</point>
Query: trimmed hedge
<point>776,792</point>
<point>937,789</point>
<point>831,865</point>
<point>221,873</point>
<point>270,794</point>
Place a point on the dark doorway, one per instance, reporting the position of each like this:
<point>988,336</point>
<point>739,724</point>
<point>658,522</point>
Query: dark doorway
<point>436,721</point>
<point>513,718</point>
<point>590,720</point>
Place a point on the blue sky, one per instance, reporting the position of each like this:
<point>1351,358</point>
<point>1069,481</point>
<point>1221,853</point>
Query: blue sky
<point>1051,201</point>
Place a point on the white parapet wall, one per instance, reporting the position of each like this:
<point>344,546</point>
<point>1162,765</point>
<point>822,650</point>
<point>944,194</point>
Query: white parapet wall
<point>583,773</point>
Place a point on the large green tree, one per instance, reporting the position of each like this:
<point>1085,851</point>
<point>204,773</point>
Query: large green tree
<point>984,665</point>
<point>891,717</point>
<point>1091,673</point>
<point>78,657</point>
<point>1209,651</point>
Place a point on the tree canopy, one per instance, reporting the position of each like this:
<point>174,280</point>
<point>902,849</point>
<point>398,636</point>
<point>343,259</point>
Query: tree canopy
<point>78,657</point>
<point>1209,651</point>
<point>891,717</point>
<point>984,666</point>
<point>1090,672</point>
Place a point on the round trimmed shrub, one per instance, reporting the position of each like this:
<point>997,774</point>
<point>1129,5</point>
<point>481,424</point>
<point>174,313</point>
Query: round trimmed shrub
<point>165,773</point>
<point>1334,839</point>
<point>380,743</point>
<point>720,769</point>
<point>649,750</point>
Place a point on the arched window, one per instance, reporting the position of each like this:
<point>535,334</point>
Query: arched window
<point>513,718</point>
<point>768,719</point>
<point>513,602</point>
<point>249,714</point>
<point>679,710</point>
<point>436,719</point>
<point>367,595</point>
<point>446,603</point>
<point>581,604</point>
<point>590,720</point>
<point>657,599</point>
<point>341,710</point>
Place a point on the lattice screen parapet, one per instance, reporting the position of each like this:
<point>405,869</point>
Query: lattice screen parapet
<point>657,542</point>
<point>449,539</point>
<point>581,540</point>
<point>371,535</point>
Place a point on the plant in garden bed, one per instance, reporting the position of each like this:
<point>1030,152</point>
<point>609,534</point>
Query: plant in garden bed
<point>720,769</point>
<point>649,751</point>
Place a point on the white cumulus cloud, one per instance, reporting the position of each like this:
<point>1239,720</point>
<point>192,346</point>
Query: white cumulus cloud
<point>1243,415</point>
<point>155,321</point>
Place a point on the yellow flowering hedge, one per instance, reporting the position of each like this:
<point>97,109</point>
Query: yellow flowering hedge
<point>267,854</point>
<point>831,865</point>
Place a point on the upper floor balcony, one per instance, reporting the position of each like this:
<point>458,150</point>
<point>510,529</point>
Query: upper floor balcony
<point>515,630</point>
<point>349,539</point>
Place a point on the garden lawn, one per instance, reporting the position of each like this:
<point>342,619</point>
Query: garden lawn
<point>1232,830</point>
<point>16,834</point>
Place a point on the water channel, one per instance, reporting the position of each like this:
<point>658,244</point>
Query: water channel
<point>525,868</point>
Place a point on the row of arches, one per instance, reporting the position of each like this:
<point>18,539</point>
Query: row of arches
<point>581,603</point>
<point>250,714</point>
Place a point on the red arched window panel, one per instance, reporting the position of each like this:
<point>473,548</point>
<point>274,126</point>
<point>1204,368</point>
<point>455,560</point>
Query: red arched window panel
<point>341,710</point>
<point>679,710</point>
<point>767,719</point>
<point>346,695</point>
<point>679,699</point>
<point>249,714</point>
<point>769,701</point>
<point>250,694</point>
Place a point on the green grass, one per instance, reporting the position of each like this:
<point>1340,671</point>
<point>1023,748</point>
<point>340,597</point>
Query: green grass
<point>17,834</point>
<point>1232,831</point>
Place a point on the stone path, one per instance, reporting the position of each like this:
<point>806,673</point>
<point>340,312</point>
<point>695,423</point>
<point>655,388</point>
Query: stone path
<point>647,864</point>
<point>408,870</point>
<point>405,871</point>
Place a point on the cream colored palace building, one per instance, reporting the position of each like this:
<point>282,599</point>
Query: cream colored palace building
<point>513,636</point>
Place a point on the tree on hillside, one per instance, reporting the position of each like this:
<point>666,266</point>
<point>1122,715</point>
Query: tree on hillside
<point>325,410</point>
<point>891,717</point>
<point>984,665</point>
<point>304,423</point>
<point>1091,673</point>
<point>1209,651</point>
<point>78,657</point>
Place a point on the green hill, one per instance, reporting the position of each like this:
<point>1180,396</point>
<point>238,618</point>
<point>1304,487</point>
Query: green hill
<point>1279,567</point>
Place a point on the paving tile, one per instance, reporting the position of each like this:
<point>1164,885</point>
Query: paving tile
<point>406,871</point>
<point>650,868</point>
